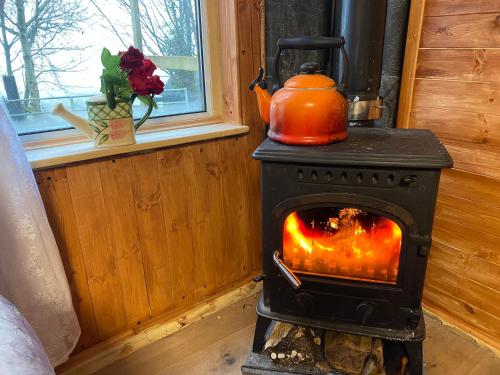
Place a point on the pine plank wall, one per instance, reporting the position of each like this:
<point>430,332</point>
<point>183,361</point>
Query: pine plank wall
<point>457,95</point>
<point>143,234</point>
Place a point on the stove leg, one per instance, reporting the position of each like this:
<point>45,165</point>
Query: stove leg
<point>259,337</point>
<point>415,357</point>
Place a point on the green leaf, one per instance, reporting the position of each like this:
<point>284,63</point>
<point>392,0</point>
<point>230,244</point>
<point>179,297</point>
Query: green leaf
<point>155,105</point>
<point>116,78</point>
<point>105,56</point>
<point>145,99</point>
<point>112,75</point>
<point>124,92</point>
<point>108,60</point>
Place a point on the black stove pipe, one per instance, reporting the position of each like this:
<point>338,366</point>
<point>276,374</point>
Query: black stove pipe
<point>362,24</point>
<point>392,62</point>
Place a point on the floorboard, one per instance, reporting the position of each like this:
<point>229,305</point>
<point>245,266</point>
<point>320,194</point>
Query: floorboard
<point>219,344</point>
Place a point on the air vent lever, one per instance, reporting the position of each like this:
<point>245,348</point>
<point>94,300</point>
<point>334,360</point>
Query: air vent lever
<point>287,272</point>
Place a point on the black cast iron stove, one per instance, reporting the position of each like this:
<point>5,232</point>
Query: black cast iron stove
<point>347,233</point>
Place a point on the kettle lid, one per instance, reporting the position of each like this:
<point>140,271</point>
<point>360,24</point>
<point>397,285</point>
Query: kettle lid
<point>309,78</point>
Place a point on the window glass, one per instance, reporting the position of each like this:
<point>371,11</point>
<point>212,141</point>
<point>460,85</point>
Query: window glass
<point>50,52</point>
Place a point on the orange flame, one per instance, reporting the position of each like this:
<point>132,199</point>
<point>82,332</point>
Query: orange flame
<point>344,246</point>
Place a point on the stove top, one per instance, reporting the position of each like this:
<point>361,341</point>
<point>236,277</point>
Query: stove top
<point>408,148</point>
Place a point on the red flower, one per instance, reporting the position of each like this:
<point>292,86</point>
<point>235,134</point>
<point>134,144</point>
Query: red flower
<point>156,85</point>
<point>138,82</point>
<point>145,85</point>
<point>147,68</point>
<point>140,73</point>
<point>131,59</point>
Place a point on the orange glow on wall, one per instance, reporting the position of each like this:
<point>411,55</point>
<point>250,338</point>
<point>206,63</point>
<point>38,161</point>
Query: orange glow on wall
<point>342,242</point>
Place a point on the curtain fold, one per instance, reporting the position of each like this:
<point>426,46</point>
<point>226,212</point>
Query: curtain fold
<point>31,272</point>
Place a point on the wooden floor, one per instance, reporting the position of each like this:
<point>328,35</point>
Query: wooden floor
<point>219,344</point>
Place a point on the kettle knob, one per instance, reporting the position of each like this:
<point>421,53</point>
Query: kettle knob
<point>309,68</point>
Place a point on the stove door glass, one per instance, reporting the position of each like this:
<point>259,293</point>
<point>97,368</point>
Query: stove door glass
<point>343,243</point>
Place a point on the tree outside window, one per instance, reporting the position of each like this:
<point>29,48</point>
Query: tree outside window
<point>50,52</point>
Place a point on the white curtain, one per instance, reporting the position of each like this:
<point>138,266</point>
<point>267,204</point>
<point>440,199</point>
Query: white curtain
<point>31,272</point>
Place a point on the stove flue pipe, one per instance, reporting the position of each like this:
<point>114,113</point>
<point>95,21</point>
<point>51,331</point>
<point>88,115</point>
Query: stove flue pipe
<point>362,24</point>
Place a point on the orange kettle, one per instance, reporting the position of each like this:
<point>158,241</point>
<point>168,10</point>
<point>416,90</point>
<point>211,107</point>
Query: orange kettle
<point>310,109</point>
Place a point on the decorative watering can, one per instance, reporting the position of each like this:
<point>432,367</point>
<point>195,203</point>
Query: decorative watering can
<point>107,125</point>
<point>310,109</point>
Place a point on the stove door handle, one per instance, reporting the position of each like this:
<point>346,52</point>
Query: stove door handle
<point>287,272</point>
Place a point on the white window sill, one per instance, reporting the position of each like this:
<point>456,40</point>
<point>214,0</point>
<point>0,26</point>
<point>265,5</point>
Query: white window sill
<point>70,153</point>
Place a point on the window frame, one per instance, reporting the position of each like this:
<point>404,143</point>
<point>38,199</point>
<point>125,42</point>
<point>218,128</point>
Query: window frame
<point>219,47</point>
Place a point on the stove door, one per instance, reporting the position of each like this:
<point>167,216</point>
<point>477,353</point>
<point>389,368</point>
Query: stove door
<point>342,242</point>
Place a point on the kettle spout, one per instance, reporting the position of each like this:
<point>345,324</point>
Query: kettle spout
<point>258,85</point>
<point>78,122</point>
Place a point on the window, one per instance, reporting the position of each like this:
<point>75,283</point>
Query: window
<point>50,53</point>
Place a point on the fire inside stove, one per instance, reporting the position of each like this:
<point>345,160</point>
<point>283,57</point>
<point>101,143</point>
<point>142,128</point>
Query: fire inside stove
<point>342,242</point>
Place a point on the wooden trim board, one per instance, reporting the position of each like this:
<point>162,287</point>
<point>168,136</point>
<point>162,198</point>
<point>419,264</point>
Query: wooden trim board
<point>124,344</point>
<point>413,35</point>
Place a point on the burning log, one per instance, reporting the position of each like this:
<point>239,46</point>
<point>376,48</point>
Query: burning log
<point>355,244</point>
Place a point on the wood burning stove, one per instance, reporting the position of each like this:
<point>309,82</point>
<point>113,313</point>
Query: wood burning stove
<point>347,233</point>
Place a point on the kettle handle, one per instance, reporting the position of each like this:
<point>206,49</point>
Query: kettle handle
<point>310,43</point>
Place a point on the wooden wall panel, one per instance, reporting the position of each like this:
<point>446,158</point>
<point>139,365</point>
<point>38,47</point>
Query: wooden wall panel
<point>466,265</point>
<point>206,259</point>
<point>449,124</point>
<point>471,186</point>
<point>457,284</point>
<point>445,232</point>
<point>481,65</point>
<point>461,31</point>
<point>145,234</point>
<point>54,189</point>
<point>119,202</point>
<point>152,231</point>
<point>182,254</point>
<point>237,212</point>
<point>476,319</point>
<point>480,216</point>
<point>475,158</point>
<point>450,7</point>
<point>456,93</point>
<point>97,249</point>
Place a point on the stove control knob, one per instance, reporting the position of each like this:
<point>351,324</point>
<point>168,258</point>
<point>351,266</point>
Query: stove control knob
<point>304,302</point>
<point>364,312</point>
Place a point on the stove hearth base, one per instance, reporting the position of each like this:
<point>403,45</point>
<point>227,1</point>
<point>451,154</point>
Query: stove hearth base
<point>260,363</point>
